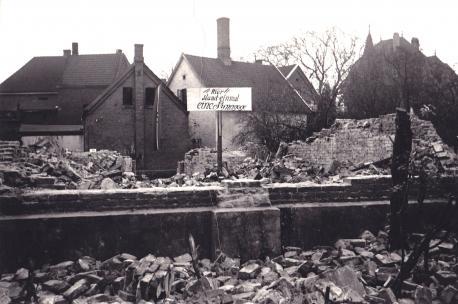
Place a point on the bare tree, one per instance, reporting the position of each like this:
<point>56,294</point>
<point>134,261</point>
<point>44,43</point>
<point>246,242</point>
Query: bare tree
<point>326,59</point>
<point>273,121</point>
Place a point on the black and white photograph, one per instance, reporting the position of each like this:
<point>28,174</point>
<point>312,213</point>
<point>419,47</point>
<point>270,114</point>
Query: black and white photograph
<point>228,152</point>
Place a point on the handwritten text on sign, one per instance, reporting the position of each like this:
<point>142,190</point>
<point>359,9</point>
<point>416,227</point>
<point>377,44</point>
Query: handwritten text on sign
<point>219,99</point>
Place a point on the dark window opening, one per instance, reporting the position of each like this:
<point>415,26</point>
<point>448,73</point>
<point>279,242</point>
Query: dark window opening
<point>42,98</point>
<point>182,95</point>
<point>149,96</point>
<point>127,96</point>
<point>184,76</point>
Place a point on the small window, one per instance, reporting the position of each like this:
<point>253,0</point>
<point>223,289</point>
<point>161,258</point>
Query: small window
<point>127,96</point>
<point>42,98</point>
<point>149,96</point>
<point>184,76</point>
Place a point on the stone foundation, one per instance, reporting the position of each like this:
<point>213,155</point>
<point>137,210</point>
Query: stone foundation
<point>51,226</point>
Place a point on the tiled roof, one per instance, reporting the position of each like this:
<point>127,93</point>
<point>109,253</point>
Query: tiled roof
<point>266,81</point>
<point>92,70</point>
<point>48,74</point>
<point>40,74</point>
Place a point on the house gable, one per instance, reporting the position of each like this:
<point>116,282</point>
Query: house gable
<point>184,76</point>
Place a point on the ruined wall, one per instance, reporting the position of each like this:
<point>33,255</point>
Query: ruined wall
<point>202,160</point>
<point>360,141</point>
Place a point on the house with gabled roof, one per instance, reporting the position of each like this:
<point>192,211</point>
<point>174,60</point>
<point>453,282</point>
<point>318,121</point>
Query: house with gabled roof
<point>269,87</point>
<point>300,82</point>
<point>139,115</point>
<point>47,95</point>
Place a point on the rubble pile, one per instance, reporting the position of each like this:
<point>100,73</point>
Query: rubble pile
<point>47,167</point>
<point>348,148</point>
<point>352,271</point>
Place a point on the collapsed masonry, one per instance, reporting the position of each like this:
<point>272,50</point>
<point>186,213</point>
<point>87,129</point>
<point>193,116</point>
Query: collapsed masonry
<point>349,147</point>
<point>371,140</point>
<point>48,166</point>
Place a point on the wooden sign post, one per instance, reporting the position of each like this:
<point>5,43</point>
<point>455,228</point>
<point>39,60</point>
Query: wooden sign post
<point>219,140</point>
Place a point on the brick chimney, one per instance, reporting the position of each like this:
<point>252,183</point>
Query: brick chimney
<point>74,48</point>
<point>67,53</point>
<point>415,43</point>
<point>396,40</point>
<point>223,37</point>
<point>139,94</point>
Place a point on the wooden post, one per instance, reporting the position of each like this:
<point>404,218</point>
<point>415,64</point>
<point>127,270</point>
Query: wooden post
<point>219,140</point>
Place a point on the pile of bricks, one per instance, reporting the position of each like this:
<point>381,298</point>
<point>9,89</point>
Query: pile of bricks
<point>358,270</point>
<point>8,151</point>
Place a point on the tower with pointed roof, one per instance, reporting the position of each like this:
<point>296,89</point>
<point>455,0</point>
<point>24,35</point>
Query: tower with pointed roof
<point>369,46</point>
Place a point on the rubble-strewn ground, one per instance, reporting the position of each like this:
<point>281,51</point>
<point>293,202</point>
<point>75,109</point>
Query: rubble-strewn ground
<point>352,271</point>
<point>348,148</point>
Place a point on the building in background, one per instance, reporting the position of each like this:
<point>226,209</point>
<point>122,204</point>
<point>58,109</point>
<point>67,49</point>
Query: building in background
<point>271,89</point>
<point>47,95</point>
<point>139,116</point>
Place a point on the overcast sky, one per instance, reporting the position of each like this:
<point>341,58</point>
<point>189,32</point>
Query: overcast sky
<point>167,28</point>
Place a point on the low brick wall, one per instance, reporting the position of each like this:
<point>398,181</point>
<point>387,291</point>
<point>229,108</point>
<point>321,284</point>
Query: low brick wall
<point>52,226</point>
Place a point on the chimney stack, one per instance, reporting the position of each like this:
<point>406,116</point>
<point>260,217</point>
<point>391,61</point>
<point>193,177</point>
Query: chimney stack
<point>74,48</point>
<point>118,51</point>
<point>67,53</point>
<point>396,40</point>
<point>138,57</point>
<point>415,43</point>
<point>224,48</point>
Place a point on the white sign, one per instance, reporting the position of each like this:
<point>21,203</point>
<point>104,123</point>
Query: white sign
<point>219,99</point>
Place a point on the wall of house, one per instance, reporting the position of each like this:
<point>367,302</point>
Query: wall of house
<point>300,82</point>
<point>72,102</point>
<point>174,140</point>
<point>201,125</point>
<point>11,102</point>
<point>111,125</point>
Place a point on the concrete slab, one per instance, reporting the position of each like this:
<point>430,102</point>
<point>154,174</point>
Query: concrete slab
<point>51,238</point>
<point>248,233</point>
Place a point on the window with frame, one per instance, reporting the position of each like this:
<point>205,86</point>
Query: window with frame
<point>150,94</point>
<point>127,97</point>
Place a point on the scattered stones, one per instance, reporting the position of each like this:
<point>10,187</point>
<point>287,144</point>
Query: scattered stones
<point>297,276</point>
